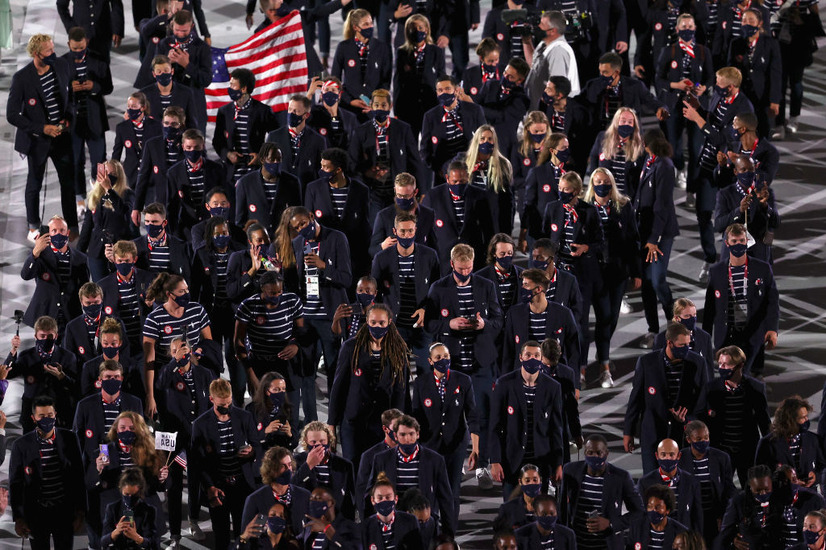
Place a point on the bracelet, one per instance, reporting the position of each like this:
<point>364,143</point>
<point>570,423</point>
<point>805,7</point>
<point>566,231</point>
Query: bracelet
<point>328,526</point>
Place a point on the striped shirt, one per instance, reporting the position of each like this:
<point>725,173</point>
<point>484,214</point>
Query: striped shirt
<point>530,399</point>
<point>356,320</point>
<point>703,475</point>
<point>318,541</point>
<point>228,464</point>
<point>564,253</point>
<point>506,282</point>
<point>269,330</point>
<point>196,184</point>
<point>382,153</point>
<point>129,309</point>
<point>270,189</point>
<point>466,306</point>
<point>159,257</point>
<point>548,542</point>
<point>81,98</point>
<point>794,451</point>
<point>455,140</point>
<point>163,327</point>
<point>673,374</point>
<point>538,322</point>
<point>221,262</point>
<point>125,459</point>
<point>558,121</point>
<point>64,266</point>
<point>50,92</point>
<point>387,537</point>
<point>173,152</point>
<point>138,128</point>
<point>166,101</point>
<point>322,473</point>
<point>656,539</point>
<point>713,18</point>
<point>295,144</point>
<point>241,138</point>
<point>735,408</point>
<point>110,412</point>
<point>603,212</point>
<point>338,196</point>
<point>590,500</point>
<point>458,209</point>
<point>791,535</point>
<point>550,294</point>
<point>407,289</point>
<point>618,167</point>
<point>737,311</point>
<point>708,154</point>
<point>52,489</point>
<point>407,470</point>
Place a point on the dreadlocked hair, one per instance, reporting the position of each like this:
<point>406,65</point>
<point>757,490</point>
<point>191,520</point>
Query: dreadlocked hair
<point>394,349</point>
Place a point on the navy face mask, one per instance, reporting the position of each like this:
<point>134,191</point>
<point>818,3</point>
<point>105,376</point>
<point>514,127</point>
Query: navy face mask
<point>720,90</point>
<point>526,295</point>
<point>686,35</point>
<point>378,332</point>
<point>406,242</point>
<point>134,114</point>
<point>726,374</point>
<point>50,59</point>
<point>308,231</point>
<point>329,98</point>
<point>171,133</point>
<point>486,148</point>
<point>654,517</point>
<point>531,489</point>
<point>385,507</point>
<point>193,156</point>
<point>46,424</point>
<point>738,250</point>
<point>284,477</point>
<point>442,365</point>
<point>602,191</point>
<point>701,446</point>
<point>92,311</point>
<point>367,33</point>
<point>597,463</point>
<point>667,464</point>
<point>110,352</point>
<point>625,130</point>
<point>532,365</point>
<point>538,264</point>
<point>221,241</point>
<point>380,115</point>
<point>234,94</point>
<point>458,189</point>
<point>124,268</point>
<point>538,138</point>
<point>277,399</point>
<point>164,79</point>
<point>810,537</point>
<point>689,323</point>
<point>59,241</point>
<point>805,426</point>
<point>219,211</point>
<point>546,522</point>
<point>745,179</point>
<point>276,524</point>
<point>505,262</point>
<point>408,448</point>
<point>110,386</point>
<point>272,168</point>
<point>764,498</point>
<point>294,120</point>
<point>365,299</point>
<point>405,203</point>
<point>460,277</point>
<point>565,197</point>
<point>563,156</point>
<point>182,300</point>
<point>317,508</point>
<point>446,99</point>
<point>127,437</point>
<point>679,352</point>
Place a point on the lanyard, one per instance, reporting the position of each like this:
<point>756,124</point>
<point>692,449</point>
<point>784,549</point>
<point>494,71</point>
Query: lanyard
<point>745,279</point>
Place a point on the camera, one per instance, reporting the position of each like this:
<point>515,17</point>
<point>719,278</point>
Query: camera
<point>522,22</point>
<point>579,26</point>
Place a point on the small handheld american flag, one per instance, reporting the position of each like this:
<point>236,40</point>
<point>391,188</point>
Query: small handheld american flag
<point>181,459</point>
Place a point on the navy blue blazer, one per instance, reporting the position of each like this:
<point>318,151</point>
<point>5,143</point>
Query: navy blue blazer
<point>766,160</point>
<point>197,75</point>
<point>260,121</point>
<point>251,200</point>
<point>755,420</point>
<point>654,202</point>
<point>509,422</point>
<point>633,93</point>
<point>385,222</point>
<point>762,75</point>
<point>206,441</point>
<point>724,33</point>
<point>103,225</point>
<point>240,285</point>
<point>353,399</point>
<point>182,210</point>
<point>617,489</point>
<point>587,230</point>
<point>305,166</point>
<point>721,477</point>
<point>347,536</point>
<point>528,537</point>
<point>406,535</point>
<point>445,424</point>
<point>511,515</point>
<point>363,479</point>
<point>689,509</point>
<point>577,126</point>
<point>402,152</point>
<point>760,220</point>
<point>649,398</point>
<point>701,345</point>
<point>735,523</point>
<point>560,325</point>
<point>773,451</point>
<point>763,303</point>
<point>76,339</point>
<point>541,188</point>
<point>569,382</point>
<point>443,305</point>
<point>126,141</point>
<point>205,276</point>
<point>433,148</point>
<point>347,67</point>
<point>657,34</point>
<point>180,260</point>
<point>717,136</point>
<point>433,482</point>
<point>489,272</point>
<point>181,96</point>
<point>26,107</point>
<point>476,231</point>
<point>178,400</point>
<point>386,272</point>
<point>111,295</point>
<point>670,69</point>
<point>640,533</point>
<point>89,423</point>
<point>335,279</point>
<point>261,500</point>
<point>197,240</point>
<point>49,294</point>
<point>414,90</point>
<point>342,481</point>
<point>107,14</point>
<point>354,220</point>
<point>151,185</point>
<point>132,376</point>
<point>98,73</point>
<point>505,113</point>
<point>144,514</point>
<point>26,477</point>
<point>321,121</point>
<point>633,168</point>
<point>618,256</point>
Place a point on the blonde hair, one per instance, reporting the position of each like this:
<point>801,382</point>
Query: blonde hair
<point>574,179</point>
<point>36,43</point>
<point>634,147</point>
<point>681,304</point>
<point>125,248</point>
<point>354,19</point>
<point>143,450</point>
<point>317,426</point>
<point>220,388</point>
<point>616,197</point>
<point>462,253</point>
<point>500,172</point>
<point>97,192</point>
<point>534,117</point>
<point>411,23</point>
<point>732,75</point>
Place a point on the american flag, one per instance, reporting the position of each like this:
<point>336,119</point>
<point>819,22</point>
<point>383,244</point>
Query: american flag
<point>276,55</point>
<point>181,459</point>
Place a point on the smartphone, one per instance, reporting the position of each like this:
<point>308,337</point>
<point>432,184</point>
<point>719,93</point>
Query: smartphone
<point>593,514</point>
<point>260,520</point>
<point>104,452</point>
<point>357,309</point>
<point>365,99</point>
<point>44,230</point>
<point>129,516</point>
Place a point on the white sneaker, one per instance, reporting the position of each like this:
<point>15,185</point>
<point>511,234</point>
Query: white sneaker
<point>703,277</point>
<point>195,531</point>
<point>682,183</point>
<point>483,479</point>
<point>648,340</point>
<point>32,236</point>
<point>81,211</point>
<point>690,200</point>
<point>606,380</point>
<point>175,543</point>
<point>792,125</point>
<point>625,307</point>
<point>779,134</point>
<point>582,381</point>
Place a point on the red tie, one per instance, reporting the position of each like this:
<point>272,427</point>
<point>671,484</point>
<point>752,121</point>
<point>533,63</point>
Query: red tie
<point>570,209</point>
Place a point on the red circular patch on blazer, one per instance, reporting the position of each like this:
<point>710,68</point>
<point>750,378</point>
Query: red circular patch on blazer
<point>318,213</point>
<point>32,102</point>
<point>554,227</point>
<point>428,403</point>
<point>716,293</point>
<point>108,310</point>
<point>673,64</point>
<point>89,434</point>
<point>526,162</point>
<point>82,350</point>
<point>658,27</point>
<point>128,143</point>
<point>439,223</point>
<point>445,313</point>
<point>252,208</point>
<point>652,390</point>
<point>510,410</point>
<point>180,386</point>
<point>322,131</point>
<point>435,140</point>
<point>351,63</point>
<point>155,169</point>
<point>474,91</point>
